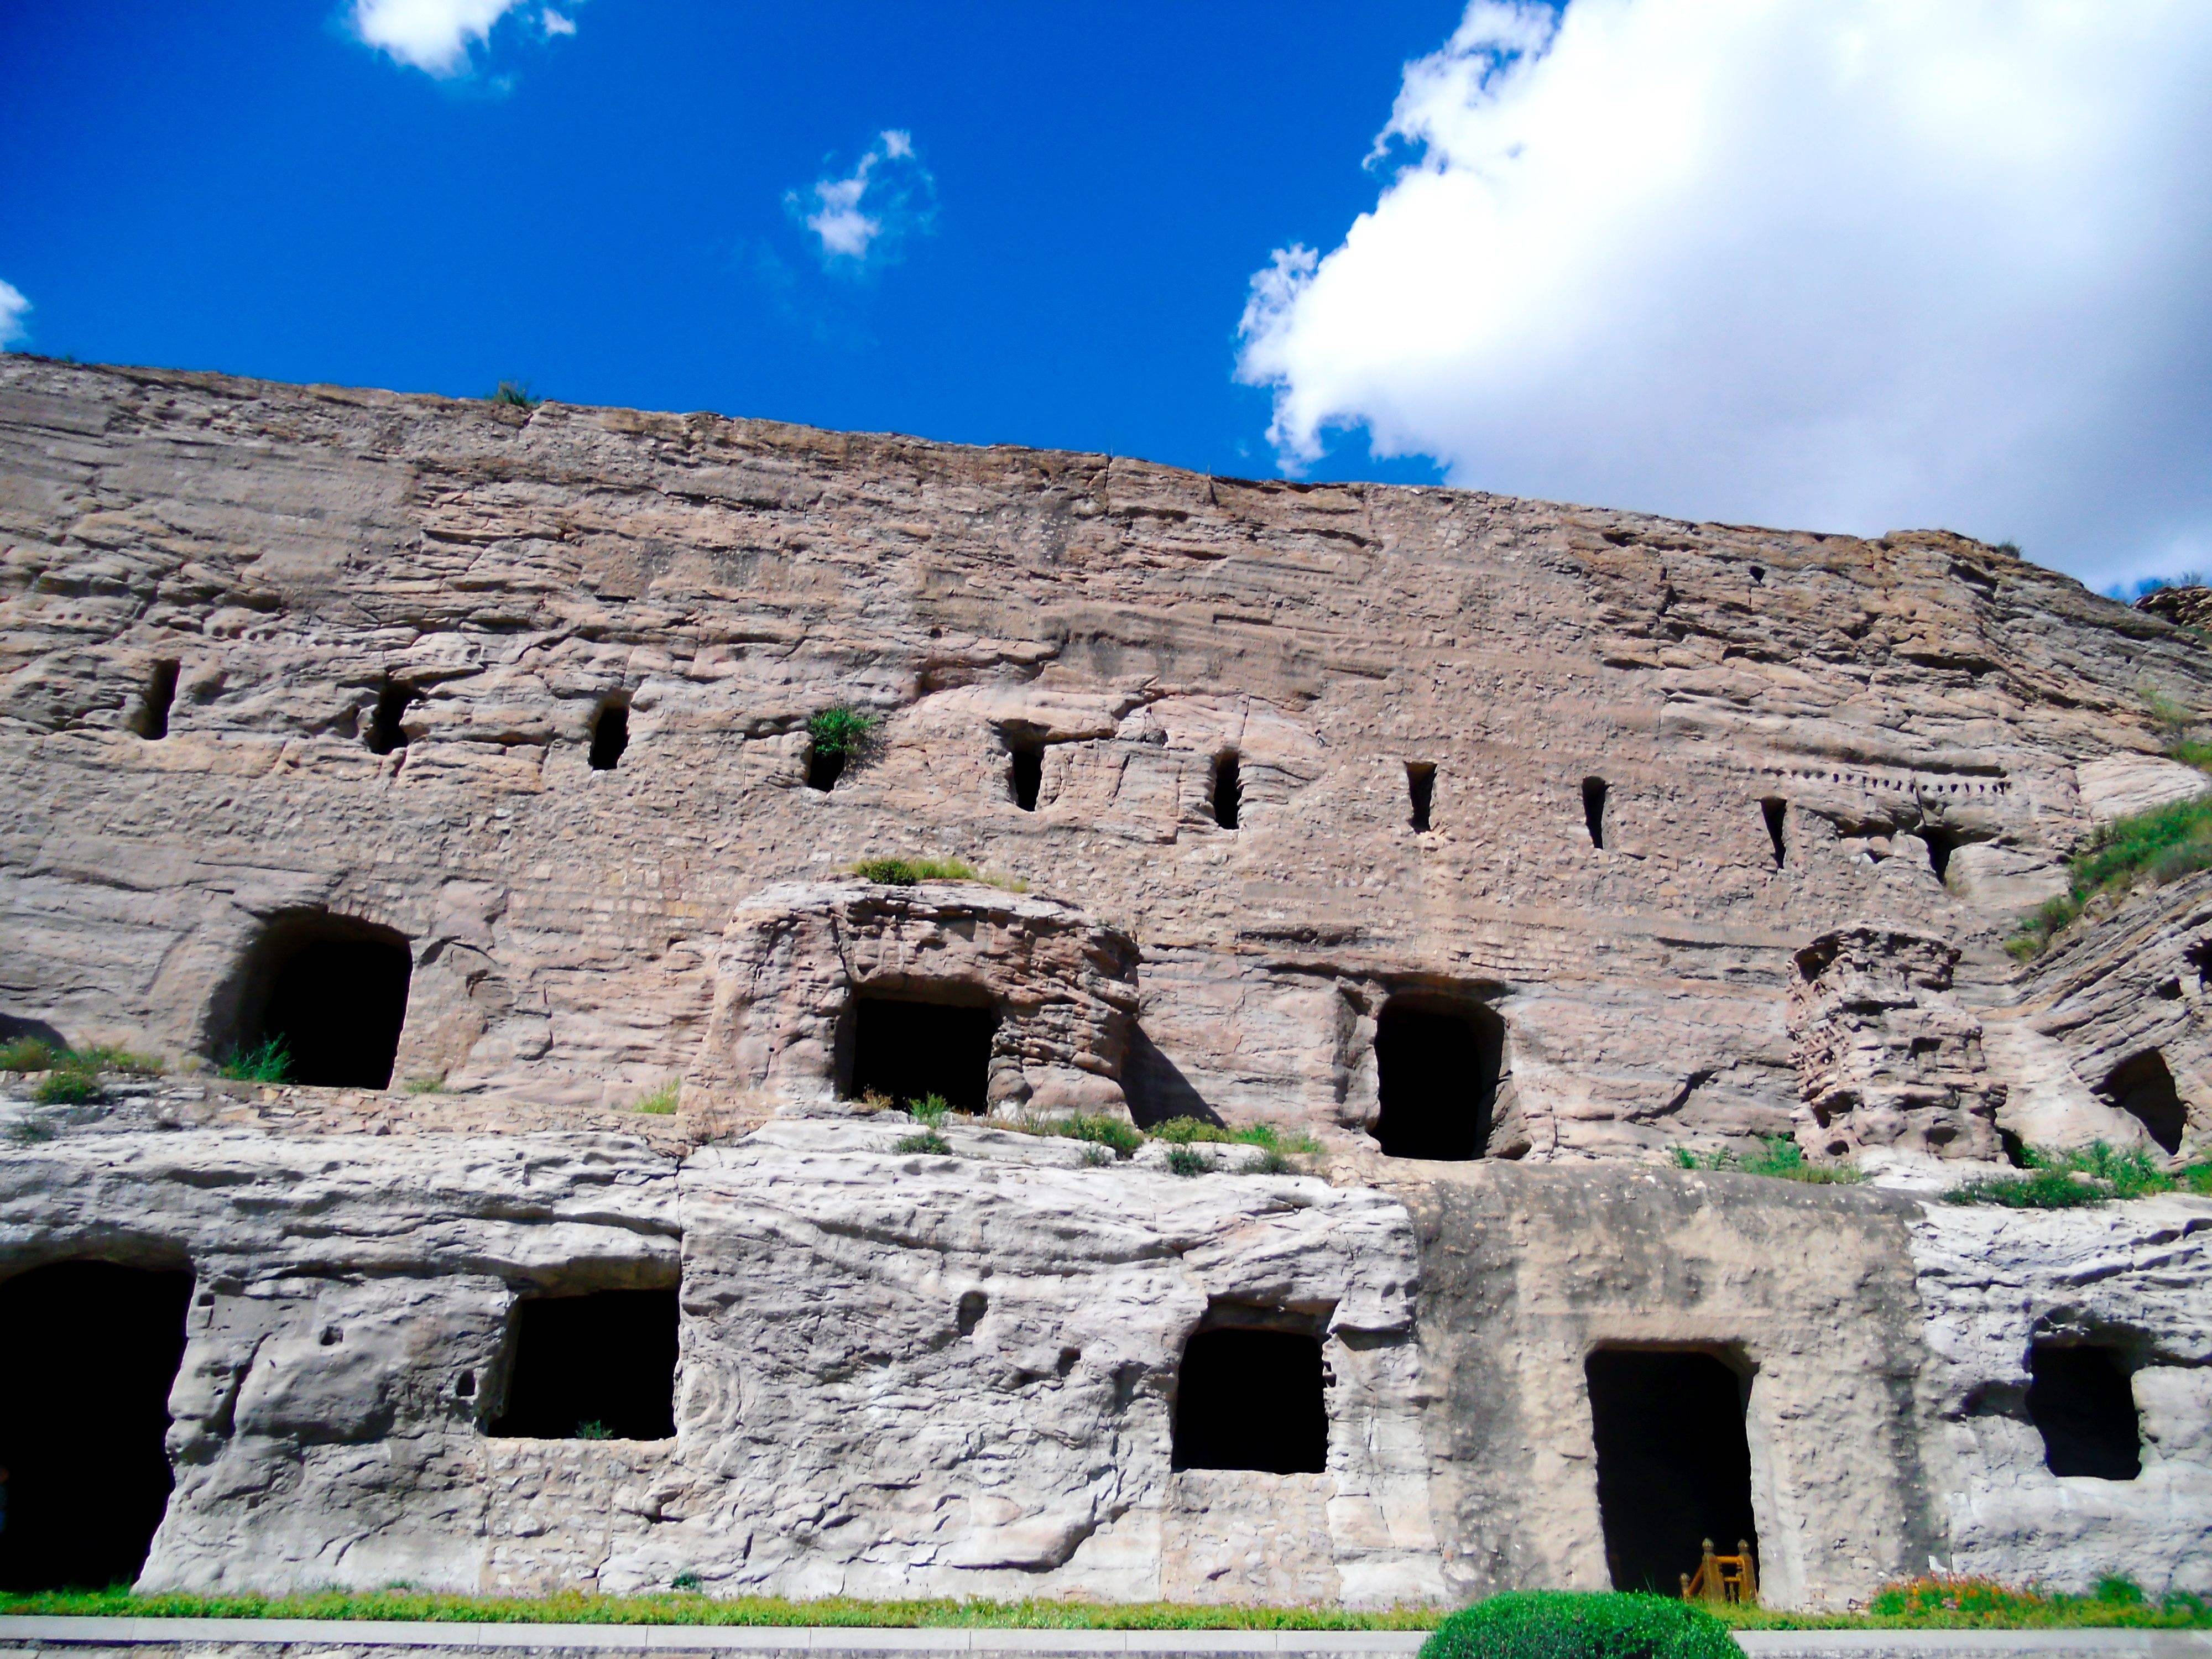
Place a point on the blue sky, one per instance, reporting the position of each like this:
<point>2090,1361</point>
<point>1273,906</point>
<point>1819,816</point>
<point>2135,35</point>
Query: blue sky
<point>1861,266</point>
<point>248,188</point>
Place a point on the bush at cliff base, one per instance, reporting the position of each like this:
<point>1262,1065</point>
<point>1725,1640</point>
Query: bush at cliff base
<point>1557,1625</point>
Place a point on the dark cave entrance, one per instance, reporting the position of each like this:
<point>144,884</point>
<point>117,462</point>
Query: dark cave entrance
<point>151,721</point>
<point>1025,774</point>
<point>1593,810</point>
<point>609,735</point>
<point>2084,1407</point>
<point>907,1048</point>
<point>333,990</point>
<point>1673,1466</point>
<point>1252,1399</point>
<point>1421,793</point>
<point>2143,1088</point>
<point>1940,844</point>
<point>1777,814</point>
<point>92,1351</point>
<point>596,1367</point>
<point>387,730</point>
<point>1436,1066</point>
<point>1228,790</point>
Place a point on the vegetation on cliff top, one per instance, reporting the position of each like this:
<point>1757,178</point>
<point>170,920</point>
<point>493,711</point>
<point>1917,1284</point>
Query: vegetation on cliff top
<point>2145,849</point>
<point>2066,1181</point>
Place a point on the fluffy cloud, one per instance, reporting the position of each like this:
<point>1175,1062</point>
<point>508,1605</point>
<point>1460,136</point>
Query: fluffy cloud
<point>869,211</point>
<point>1858,265</point>
<point>435,36</point>
<point>13,306</point>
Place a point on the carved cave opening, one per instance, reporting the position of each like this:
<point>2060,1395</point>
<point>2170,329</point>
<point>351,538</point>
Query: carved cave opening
<point>824,766</point>
<point>1026,773</point>
<point>1593,810</point>
<point>1249,1399</point>
<point>1940,844</point>
<point>151,721</point>
<point>2143,1088</point>
<point>1674,1463</point>
<point>909,1046</point>
<point>1228,790</point>
<point>333,990</point>
<point>2083,1404</point>
<point>387,730</point>
<point>93,1352</point>
<point>1436,1068</point>
<point>609,735</point>
<point>1777,814</point>
<point>600,1366</point>
<point>1421,790</point>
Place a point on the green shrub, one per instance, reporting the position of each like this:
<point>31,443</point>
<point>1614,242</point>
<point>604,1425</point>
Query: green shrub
<point>927,1142</point>
<point>841,732</point>
<point>67,1085</point>
<point>1113,1133</point>
<point>1778,1155</point>
<point>1562,1624</point>
<point>595,1431</point>
<point>2159,846</point>
<point>427,1084</point>
<point>31,1131</point>
<point>515,394</point>
<point>905,873</point>
<point>2054,1181</point>
<point>1184,1131</point>
<point>267,1062</point>
<point>1186,1161</point>
<point>27,1054</point>
<point>930,1111</point>
<point>661,1102</point>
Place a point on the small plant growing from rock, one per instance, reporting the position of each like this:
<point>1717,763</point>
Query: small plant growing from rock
<point>427,1084</point>
<point>1186,1161</point>
<point>267,1062</point>
<point>67,1085</point>
<point>689,1582</point>
<point>1778,1155</point>
<point>514,394</point>
<point>28,1053</point>
<point>2070,1181</point>
<point>595,1431</point>
<point>907,873</point>
<point>661,1102</point>
<point>929,1112</point>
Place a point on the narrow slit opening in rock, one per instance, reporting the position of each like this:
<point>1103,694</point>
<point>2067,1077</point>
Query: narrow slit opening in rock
<point>2143,1088</point>
<point>1674,1463</point>
<point>1593,810</point>
<point>1421,790</point>
<point>823,768</point>
<point>598,1366</point>
<point>1941,843</point>
<point>909,1047</point>
<point>609,734</point>
<point>1251,1400</point>
<point>1777,814</point>
<point>151,722</point>
<point>1436,1066</point>
<point>94,1349</point>
<point>387,729</point>
<point>1025,774</point>
<point>1228,790</point>
<point>2084,1407</point>
<point>333,990</point>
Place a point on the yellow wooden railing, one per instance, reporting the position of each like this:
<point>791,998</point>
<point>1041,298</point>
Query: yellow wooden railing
<point>1723,1578</point>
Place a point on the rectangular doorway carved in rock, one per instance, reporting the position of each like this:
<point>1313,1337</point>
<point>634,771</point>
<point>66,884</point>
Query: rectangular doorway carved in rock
<point>1674,1463</point>
<point>596,1367</point>
<point>91,1351</point>
<point>908,1047</point>
<point>1436,1066</point>
<point>1252,1399</point>
<point>2084,1407</point>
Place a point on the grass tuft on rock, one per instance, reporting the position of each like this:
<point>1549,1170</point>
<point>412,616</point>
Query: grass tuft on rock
<point>1778,1155</point>
<point>2072,1180</point>
<point>2144,849</point>
<point>661,1102</point>
<point>911,873</point>
<point>267,1062</point>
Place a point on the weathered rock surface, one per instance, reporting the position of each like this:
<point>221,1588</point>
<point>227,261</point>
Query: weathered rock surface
<point>333,571</point>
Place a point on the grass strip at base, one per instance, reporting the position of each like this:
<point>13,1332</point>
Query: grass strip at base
<point>1924,1604</point>
<point>677,1607</point>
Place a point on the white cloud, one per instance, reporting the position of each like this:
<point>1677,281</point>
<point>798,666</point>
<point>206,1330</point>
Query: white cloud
<point>434,36</point>
<point>1858,265</point>
<point>869,211</point>
<point>554,23</point>
<point>13,306</point>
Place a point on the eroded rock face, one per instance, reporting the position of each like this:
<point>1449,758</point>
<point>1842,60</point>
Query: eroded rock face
<point>1887,1056</point>
<point>396,624</point>
<point>795,960</point>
